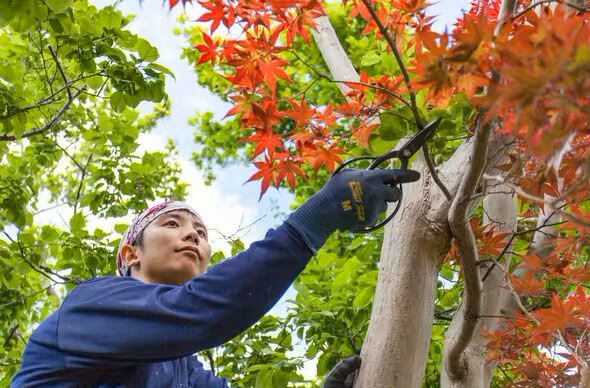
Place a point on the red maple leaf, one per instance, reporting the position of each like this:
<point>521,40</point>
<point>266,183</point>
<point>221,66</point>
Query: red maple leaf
<point>363,132</point>
<point>267,172</point>
<point>532,262</point>
<point>289,169</point>
<point>325,156</point>
<point>218,13</point>
<point>265,141</point>
<point>270,69</point>
<point>208,50</point>
<point>301,113</point>
<point>327,116</point>
<point>172,3</point>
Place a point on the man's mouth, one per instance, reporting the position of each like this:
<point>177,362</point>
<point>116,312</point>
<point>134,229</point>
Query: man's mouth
<point>190,249</point>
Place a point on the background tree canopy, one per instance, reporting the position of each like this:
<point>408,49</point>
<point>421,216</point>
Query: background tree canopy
<point>71,76</point>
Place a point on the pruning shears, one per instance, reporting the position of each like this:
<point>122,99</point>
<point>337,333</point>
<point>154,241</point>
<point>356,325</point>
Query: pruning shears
<point>404,153</point>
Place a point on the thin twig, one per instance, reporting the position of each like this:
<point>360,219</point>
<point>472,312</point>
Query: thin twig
<point>60,68</point>
<point>512,238</point>
<point>209,356</point>
<point>22,297</point>
<point>369,85</point>
<point>532,6</point>
<point>69,156</point>
<point>84,170</point>
<point>515,295</point>
<point>552,204</point>
<point>46,126</point>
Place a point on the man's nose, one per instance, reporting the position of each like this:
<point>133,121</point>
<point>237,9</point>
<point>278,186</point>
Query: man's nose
<point>191,235</point>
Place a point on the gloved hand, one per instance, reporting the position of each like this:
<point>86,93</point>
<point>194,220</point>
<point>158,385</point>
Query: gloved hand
<point>351,199</point>
<point>343,374</point>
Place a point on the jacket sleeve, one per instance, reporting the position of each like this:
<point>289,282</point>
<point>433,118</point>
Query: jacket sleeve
<point>200,377</point>
<point>121,319</point>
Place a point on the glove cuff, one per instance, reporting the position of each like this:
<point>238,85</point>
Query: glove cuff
<point>314,221</point>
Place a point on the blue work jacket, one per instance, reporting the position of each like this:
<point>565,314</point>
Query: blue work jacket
<point>121,332</point>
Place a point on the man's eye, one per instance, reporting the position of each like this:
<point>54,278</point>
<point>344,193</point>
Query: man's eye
<point>202,233</point>
<point>171,222</point>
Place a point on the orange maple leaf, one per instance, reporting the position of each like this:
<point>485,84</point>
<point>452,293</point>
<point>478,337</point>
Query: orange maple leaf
<point>208,50</point>
<point>325,156</point>
<point>363,133</point>
<point>301,113</point>
<point>557,317</point>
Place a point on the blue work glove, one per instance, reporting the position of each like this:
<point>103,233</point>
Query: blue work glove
<point>343,374</point>
<point>351,199</point>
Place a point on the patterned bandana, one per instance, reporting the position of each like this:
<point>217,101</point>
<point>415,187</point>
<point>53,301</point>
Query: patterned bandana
<point>142,221</point>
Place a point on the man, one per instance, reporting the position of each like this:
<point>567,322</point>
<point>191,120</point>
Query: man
<point>141,329</point>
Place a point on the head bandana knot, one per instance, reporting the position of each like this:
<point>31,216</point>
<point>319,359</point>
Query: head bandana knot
<point>142,221</point>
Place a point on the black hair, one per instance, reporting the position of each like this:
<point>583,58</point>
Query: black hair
<point>139,240</point>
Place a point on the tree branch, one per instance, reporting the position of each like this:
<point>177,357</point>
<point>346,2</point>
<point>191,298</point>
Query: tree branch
<point>47,126</point>
<point>61,70</point>
<point>512,238</point>
<point>539,200</point>
<point>399,59</point>
<point>376,87</point>
<point>507,9</point>
<point>84,170</point>
<point>413,104</point>
<point>209,356</point>
<point>465,239</point>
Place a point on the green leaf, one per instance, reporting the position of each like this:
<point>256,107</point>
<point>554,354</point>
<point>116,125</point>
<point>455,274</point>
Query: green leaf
<point>162,69</point>
<point>370,58</point>
<point>216,257</point>
<point>118,102</point>
<point>58,5</point>
<point>363,298</point>
<point>237,246</point>
<point>121,228</point>
<point>146,51</point>
<point>280,379</point>
<point>264,378</point>
<point>392,126</point>
<point>49,233</point>
<point>105,123</point>
<point>77,223</point>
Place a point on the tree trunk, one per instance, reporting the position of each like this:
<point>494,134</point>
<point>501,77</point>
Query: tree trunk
<point>396,346</point>
<point>333,53</point>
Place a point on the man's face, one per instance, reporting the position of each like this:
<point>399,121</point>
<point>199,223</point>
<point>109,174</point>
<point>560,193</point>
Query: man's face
<point>174,250</point>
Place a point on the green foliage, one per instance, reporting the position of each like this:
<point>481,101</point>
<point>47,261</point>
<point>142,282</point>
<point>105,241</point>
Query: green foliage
<point>70,76</point>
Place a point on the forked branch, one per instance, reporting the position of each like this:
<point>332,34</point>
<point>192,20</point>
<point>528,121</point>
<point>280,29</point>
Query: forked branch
<point>467,247</point>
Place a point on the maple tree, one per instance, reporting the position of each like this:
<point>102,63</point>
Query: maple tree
<point>511,81</point>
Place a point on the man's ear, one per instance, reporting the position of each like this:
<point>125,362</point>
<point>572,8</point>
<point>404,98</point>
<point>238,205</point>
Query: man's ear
<point>129,255</point>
